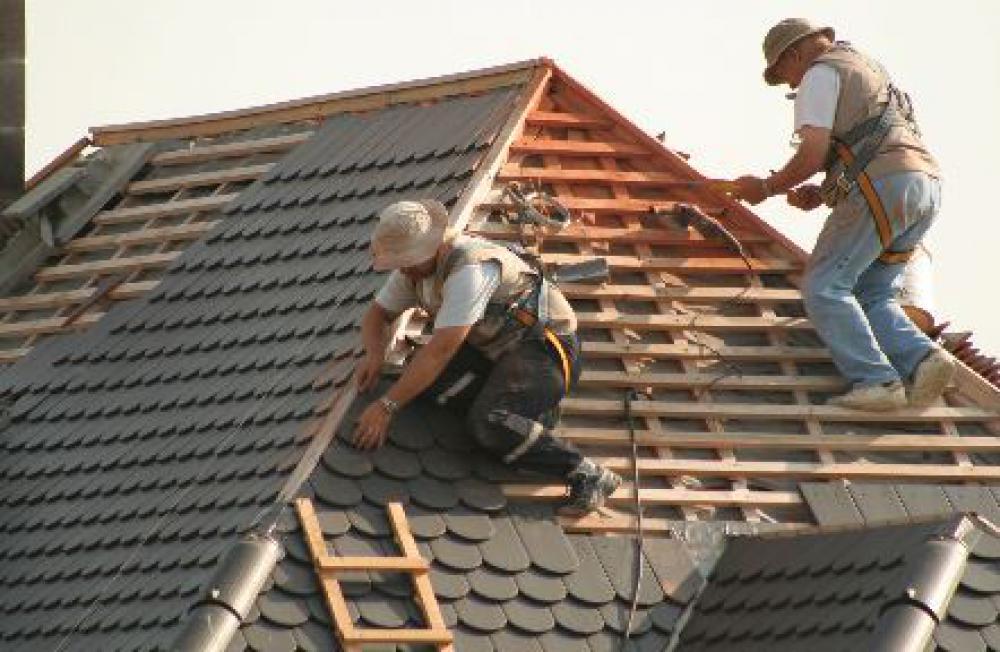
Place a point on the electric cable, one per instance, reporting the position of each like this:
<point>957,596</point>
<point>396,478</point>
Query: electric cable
<point>631,395</point>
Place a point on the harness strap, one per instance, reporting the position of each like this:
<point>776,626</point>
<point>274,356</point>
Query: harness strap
<point>530,320</point>
<point>883,224</point>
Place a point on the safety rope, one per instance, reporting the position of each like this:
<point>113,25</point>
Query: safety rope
<point>631,395</point>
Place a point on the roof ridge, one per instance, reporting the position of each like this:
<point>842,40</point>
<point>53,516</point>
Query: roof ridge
<point>319,106</point>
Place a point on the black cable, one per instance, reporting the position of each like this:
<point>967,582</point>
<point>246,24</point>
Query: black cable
<point>631,395</point>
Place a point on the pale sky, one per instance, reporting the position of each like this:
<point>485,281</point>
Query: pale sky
<point>691,69</point>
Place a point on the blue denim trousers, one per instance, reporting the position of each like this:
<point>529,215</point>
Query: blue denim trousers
<point>849,294</point>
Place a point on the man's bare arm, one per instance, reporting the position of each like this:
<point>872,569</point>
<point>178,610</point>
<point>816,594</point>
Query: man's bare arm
<point>807,160</point>
<point>428,363</point>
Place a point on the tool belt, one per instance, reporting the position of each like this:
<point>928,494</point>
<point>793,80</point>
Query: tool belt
<point>854,151</point>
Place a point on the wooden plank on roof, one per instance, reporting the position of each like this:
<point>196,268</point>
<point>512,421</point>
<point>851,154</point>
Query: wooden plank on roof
<point>200,153</point>
<point>721,264</point>
<point>850,470</point>
<point>693,351</point>
<point>619,524</point>
<point>780,441</point>
<point>198,179</point>
<point>692,381</point>
<point>8,356</point>
<point>579,233</point>
<point>191,231</point>
<point>181,206</point>
<point>678,293</point>
<point>687,322</point>
<point>513,172</point>
<point>577,148</point>
<point>46,326</point>
<point>782,412</point>
<point>72,297</point>
<point>110,266</point>
<point>566,119</point>
<point>625,495</point>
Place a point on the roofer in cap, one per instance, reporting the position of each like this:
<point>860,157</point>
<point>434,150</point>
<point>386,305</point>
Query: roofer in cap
<point>490,359</point>
<point>883,187</point>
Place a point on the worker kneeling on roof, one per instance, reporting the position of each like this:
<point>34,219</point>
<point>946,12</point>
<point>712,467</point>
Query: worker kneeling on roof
<point>883,186</point>
<point>491,358</point>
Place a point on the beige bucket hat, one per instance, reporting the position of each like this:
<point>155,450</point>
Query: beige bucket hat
<point>408,233</point>
<point>784,35</point>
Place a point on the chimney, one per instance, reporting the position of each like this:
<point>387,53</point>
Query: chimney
<point>11,101</point>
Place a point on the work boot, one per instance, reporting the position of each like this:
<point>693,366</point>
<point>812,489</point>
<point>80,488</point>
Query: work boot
<point>931,376</point>
<point>589,487</point>
<point>873,398</point>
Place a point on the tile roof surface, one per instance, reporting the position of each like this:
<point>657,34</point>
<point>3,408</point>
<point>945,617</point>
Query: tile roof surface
<point>973,620</point>
<point>506,575</point>
<point>135,453</point>
<point>828,591</point>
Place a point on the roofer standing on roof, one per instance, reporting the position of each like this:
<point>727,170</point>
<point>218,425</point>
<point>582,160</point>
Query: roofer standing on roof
<point>883,187</point>
<point>504,377</point>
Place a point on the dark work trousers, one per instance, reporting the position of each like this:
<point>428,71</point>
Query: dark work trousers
<point>508,404</point>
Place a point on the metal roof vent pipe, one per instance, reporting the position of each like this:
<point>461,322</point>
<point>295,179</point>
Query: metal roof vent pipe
<point>229,595</point>
<point>11,101</point>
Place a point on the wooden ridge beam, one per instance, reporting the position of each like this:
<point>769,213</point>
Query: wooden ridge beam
<point>191,231</point>
<point>577,148</point>
<point>110,266</point>
<point>692,410</point>
<point>727,264</point>
<point>688,322</point>
<point>759,441</point>
<point>201,153</point>
<point>198,179</point>
<point>693,381</point>
<point>72,297</point>
<point>821,471</point>
<point>692,351</point>
<point>677,293</point>
<point>143,213</point>
<point>47,326</point>
<point>578,233</point>
<point>625,495</point>
<point>566,119</point>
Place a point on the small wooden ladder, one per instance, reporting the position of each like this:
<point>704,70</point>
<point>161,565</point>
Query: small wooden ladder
<point>354,639</point>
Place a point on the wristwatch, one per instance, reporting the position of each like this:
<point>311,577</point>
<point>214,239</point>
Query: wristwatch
<point>389,405</point>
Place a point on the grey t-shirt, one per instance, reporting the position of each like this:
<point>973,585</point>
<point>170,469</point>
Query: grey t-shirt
<point>464,297</point>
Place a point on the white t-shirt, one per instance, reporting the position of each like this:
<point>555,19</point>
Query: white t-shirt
<point>816,98</point>
<point>464,297</point>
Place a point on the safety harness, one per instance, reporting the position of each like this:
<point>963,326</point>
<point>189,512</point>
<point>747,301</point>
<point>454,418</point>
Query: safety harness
<point>531,311</point>
<point>856,149</point>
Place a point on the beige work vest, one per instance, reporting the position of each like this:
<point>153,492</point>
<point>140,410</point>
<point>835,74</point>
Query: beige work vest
<point>864,90</point>
<point>495,332</point>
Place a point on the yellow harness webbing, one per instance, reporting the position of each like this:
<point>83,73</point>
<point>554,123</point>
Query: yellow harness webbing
<point>528,319</point>
<point>875,206</point>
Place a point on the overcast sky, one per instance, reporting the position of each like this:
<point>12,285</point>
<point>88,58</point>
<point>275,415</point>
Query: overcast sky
<point>690,69</point>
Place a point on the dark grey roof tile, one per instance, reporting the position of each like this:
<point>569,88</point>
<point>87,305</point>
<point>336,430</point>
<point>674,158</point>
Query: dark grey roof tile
<point>396,463</point>
<point>449,584</point>
<point>973,610</point>
<point>617,557</point>
<point>541,586</point>
<point>955,638</point>
<point>504,551</point>
<point>379,611</point>
<point>878,503</point>
<point>469,525</point>
<point>282,610</point>
<point>510,640</point>
<point>480,614</point>
<point>445,465</point>
<point>981,576</point>
<point>831,504</point>
<point>456,554</point>
<point>295,578</point>
<point>424,524</point>
<point>480,495</point>
<point>473,641</point>
<point>432,494</point>
<point>493,585</point>
<point>314,637</point>
<point>263,637</point>
<point>529,616</point>
<point>544,540</point>
<point>577,617</point>
<point>370,520</point>
<point>922,501</point>
<point>674,568</point>
<point>380,490</point>
<point>562,641</point>
<point>616,613</point>
<point>588,583</point>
